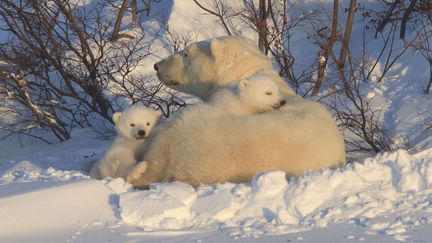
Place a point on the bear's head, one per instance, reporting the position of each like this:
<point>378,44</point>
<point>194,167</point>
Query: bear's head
<point>260,92</point>
<point>206,66</point>
<point>136,122</point>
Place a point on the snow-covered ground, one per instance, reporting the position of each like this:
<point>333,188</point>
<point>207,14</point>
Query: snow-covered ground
<point>380,199</point>
<point>47,196</point>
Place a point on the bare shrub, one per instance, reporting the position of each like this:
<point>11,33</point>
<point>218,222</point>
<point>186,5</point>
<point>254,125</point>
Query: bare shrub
<point>422,42</point>
<point>280,31</point>
<point>415,19</point>
<point>178,41</point>
<point>356,114</point>
<point>72,70</point>
<point>24,112</point>
<point>133,7</point>
<point>222,11</point>
<point>360,122</point>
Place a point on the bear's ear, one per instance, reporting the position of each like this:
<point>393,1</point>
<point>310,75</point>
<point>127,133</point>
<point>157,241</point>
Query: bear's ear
<point>116,117</point>
<point>158,114</point>
<point>217,50</point>
<point>214,44</point>
<point>191,49</point>
<point>242,84</point>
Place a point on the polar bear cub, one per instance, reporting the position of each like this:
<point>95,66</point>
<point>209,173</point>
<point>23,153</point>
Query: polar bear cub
<point>252,95</point>
<point>133,127</point>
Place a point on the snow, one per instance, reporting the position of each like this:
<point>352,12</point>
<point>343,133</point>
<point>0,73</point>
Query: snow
<point>54,209</point>
<point>381,199</point>
<point>387,194</point>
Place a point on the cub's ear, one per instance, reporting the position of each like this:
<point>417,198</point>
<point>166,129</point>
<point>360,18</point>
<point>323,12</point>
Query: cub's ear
<point>158,114</point>
<point>116,117</point>
<point>242,84</point>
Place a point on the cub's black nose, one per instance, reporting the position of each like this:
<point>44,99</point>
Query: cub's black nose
<point>282,102</point>
<point>155,66</point>
<point>141,132</point>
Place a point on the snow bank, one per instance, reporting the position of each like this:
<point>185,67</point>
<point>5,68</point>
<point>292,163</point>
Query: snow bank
<point>60,208</point>
<point>26,171</point>
<point>387,195</point>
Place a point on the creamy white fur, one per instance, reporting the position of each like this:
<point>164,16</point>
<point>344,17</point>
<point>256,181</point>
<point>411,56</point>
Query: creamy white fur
<point>204,146</point>
<point>206,66</point>
<point>133,127</point>
<point>253,95</point>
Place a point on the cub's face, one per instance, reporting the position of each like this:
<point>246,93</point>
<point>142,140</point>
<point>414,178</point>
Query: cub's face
<point>261,92</point>
<point>136,122</point>
<point>190,70</point>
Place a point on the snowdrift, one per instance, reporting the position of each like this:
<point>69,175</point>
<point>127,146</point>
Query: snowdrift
<point>50,209</point>
<point>386,195</point>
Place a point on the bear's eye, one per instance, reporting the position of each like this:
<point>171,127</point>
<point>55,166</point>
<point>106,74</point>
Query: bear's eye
<point>132,124</point>
<point>269,93</point>
<point>148,124</point>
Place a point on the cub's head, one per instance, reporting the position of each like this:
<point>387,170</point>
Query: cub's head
<point>204,67</point>
<point>261,92</point>
<point>136,121</point>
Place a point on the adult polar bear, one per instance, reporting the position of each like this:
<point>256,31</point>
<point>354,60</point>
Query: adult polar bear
<point>205,67</point>
<point>209,148</point>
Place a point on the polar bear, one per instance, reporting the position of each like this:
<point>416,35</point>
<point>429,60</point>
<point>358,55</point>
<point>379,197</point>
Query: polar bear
<point>204,67</point>
<point>133,127</point>
<point>252,95</point>
<point>208,148</point>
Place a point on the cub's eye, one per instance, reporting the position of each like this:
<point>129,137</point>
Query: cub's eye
<point>132,124</point>
<point>148,124</point>
<point>269,93</point>
<point>185,54</point>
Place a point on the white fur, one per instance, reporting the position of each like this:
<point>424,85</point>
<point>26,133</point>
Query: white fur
<point>203,146</point>
<point>133,127</point>
<point>205,67</point>
<point>253,95</point>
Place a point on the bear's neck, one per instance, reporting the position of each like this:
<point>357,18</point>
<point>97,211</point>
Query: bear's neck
<point>232,73</point>
<point>132,143</point>
<point>245,108</point>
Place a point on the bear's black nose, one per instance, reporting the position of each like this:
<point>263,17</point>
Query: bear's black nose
<point>282,102</point>
<point>155,66</point>
<point>141,132</point>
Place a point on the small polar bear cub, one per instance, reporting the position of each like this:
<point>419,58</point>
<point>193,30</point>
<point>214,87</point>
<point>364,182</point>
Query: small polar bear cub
<point>256,94</point>
<point>133,127</point>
